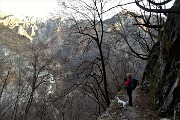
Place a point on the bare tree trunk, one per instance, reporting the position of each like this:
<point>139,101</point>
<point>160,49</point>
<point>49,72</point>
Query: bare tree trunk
<point>104,76</point>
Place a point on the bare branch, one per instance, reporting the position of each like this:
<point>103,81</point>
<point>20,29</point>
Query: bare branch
<point>161,3</point>
<point>171,10</point>
<point>149,26</point>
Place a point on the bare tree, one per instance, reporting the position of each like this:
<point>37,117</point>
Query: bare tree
<point>41,60</point>
<point>94,31</point>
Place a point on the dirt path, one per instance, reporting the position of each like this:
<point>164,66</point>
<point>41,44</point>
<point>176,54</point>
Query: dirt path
<point>141,109</point>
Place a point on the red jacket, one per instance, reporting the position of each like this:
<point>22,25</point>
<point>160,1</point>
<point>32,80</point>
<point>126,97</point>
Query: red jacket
<point>128,82</point>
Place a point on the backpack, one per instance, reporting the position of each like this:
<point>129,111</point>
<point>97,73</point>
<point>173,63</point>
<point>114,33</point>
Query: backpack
<point>133,84</point>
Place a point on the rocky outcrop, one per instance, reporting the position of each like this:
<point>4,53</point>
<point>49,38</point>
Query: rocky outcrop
<point>163,69</point>
<point>19,26</point>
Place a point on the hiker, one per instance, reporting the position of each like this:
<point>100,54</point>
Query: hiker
<point>130,84</point>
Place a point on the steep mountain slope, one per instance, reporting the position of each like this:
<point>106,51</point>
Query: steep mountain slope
<point>163,68</point>
<point>73,49</point>
<point>12,40</point>
<point>23,27</point>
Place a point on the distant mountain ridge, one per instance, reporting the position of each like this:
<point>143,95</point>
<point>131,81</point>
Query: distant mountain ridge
<point>23,28</point>
<point>53,29</point>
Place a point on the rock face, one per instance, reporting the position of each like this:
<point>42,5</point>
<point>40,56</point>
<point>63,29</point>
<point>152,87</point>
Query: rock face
<point>163,68</point>
<point>30,28</point>
<point>21,27</point>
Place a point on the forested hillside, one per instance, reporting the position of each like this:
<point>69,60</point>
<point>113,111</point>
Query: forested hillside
<point>71,68</point>
<point>57,66</point>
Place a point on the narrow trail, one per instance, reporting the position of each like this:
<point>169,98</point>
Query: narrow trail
<point>141,109</point>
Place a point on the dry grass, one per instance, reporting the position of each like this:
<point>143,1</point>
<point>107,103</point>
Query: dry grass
<point>12,40</point>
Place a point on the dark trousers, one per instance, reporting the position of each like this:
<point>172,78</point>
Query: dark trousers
<point>129,92</point>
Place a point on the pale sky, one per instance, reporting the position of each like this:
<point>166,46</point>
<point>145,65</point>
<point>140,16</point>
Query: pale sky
<point>41,8</point>
<point>37,8</point>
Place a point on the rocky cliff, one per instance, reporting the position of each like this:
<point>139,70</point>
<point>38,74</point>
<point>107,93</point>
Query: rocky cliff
<point>163,68</point>
<point>31,28</point>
